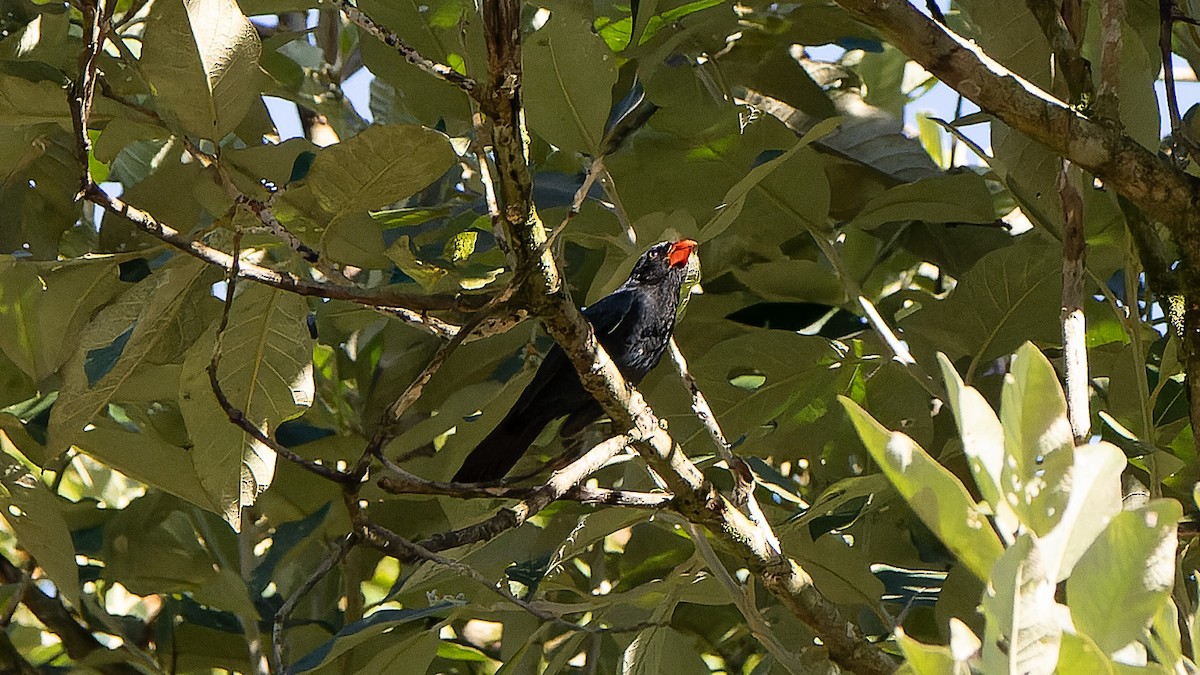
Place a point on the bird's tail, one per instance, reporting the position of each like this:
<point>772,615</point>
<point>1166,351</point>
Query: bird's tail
<point>499,452</point>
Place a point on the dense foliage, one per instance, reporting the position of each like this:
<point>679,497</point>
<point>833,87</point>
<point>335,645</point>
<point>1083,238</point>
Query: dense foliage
<point>863,295</point>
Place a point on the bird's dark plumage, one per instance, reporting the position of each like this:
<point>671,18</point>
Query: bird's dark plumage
<point>634,325</point>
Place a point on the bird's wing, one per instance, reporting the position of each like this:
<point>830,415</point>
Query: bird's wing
<point>609,316</point>
<point>612,315</point>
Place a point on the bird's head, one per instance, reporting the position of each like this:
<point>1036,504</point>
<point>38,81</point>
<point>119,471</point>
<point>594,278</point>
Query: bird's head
<point>664,260</point>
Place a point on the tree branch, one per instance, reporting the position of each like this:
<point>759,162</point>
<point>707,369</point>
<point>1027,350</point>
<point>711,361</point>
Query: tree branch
<point>559,484</point>
<point>1074,326</point>
<point>409,484</point>
<point>439,70</point>
<point>1075,70</point>
<point>236,415</point>
<point>1123,165</point>
<point>282,280</point>
<point>400,548</point>
<point>755,622</point>
<point>76,638</point>
<point>330,561</point>
<point>695,497</point>
<point>1180,138</point>
<point>1112,14</point>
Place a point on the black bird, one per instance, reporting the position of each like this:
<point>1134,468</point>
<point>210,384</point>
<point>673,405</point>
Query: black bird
<point>633,323</point>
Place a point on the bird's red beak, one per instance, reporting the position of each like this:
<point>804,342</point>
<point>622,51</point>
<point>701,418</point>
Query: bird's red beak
<point>681,251</point>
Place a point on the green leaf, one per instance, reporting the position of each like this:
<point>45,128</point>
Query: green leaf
<point>1095,498</point>
<point>812,207</point>
<point>787,372</point>
<point>152,308</point>
<point>120,133</point>
<point>43,309</point>
<point>1010,33</point>
<point>923,659</point>
<point>460,246</point>
<point>227,591</point>
<point>153,546</point>
<point>266,371</point>
<point>24,103</point>
<point>426,274</point>
<point>1010,296</point>
<point>361,631</point>
<point>283,540</point>
<point>1038,441</point>
<point>35,515</point>
<point>1023,621</point>
<point>41,174</point>
<point>145,456</point>
<point>644,655</point>
<point>1121,582</point>
<point>1168,648</point>
<point>933,493</point>
<point>378,167</point>
<point>401,93</point>
<point>842,572</point>
<point>1078,655</point>
<point>398,656</point>
<point>569,75</point>
<point>201,57</point>
<point>953,198</point>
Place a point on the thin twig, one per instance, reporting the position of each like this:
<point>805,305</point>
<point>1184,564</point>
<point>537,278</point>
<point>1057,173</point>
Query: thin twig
<point>394,545</point>
<point>1167,16</point>
<point>369,297</point>
<point>332,560</point>
<point>593,172</point>
<point>610,191</point>
<point>264,211</point>
<point>439,70</point>
<point>1059,22</point>
<point>755,621</point>
<point>238,416</point>
<point>743,491</point>
<point>387,428</point>
<point>897,347</point>
<point>742,475</point>
<point>559,483</point>
<point>96,15</point>
<point>405,483</point>
<point>266,215</point>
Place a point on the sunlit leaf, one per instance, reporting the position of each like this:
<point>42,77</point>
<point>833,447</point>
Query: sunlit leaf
<point>1131,566</point>
<point>940,500</point>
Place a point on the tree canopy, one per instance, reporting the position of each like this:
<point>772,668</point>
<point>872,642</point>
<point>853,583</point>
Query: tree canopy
<point>930,407</point>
